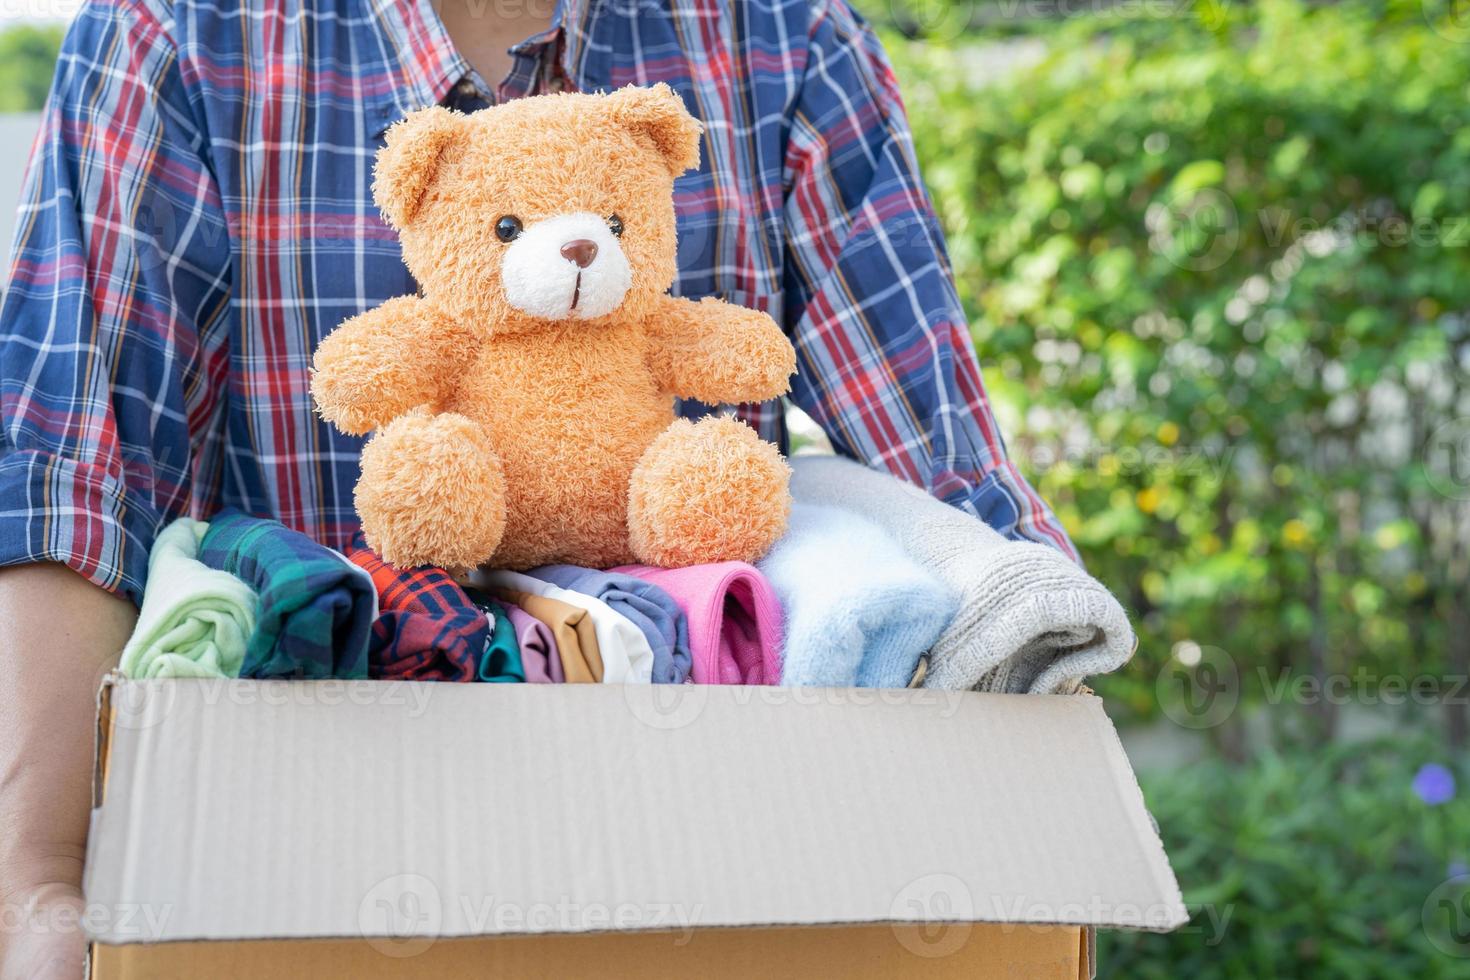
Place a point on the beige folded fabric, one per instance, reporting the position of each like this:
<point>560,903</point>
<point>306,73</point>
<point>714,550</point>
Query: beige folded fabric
<point>576,640</point>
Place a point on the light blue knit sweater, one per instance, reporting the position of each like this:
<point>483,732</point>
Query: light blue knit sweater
<point>859,612</point>
<point>1030,620</point>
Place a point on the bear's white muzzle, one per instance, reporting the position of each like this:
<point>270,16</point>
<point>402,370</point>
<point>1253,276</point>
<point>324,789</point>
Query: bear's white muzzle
<point>568,266</point>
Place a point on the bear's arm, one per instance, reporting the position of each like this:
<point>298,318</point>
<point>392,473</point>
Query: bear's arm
<point>384,362</point>
<point>717,352</point>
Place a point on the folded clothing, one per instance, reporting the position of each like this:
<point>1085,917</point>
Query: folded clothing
<point>626,656</point>
<point>1030,620</point>
<point>858,611</point>
<point>574,637</point>
<point>501,663</point>
<point>195,621</point>
<point>734,620</point>
<point>540,659</point>
<point>427,629</point>
<point>644,604</point>
<point>316,609</point>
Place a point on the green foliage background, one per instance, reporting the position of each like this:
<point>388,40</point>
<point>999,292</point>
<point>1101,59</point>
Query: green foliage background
<point>1322,864</point>
<point>1217,262</point>
<point>27,60</point>
<point>1218,265</point>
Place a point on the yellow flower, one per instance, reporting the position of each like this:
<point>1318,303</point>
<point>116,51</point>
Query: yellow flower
<point>1295,533</point>
<point>1148,499</point>
<point>1168,434</point>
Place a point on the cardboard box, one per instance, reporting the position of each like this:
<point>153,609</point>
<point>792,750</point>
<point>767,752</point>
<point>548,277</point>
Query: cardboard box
<point>365,829</point>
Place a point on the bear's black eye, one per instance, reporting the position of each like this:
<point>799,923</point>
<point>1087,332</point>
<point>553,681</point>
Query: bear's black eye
<point>615,225</point>
<point>508,228</point>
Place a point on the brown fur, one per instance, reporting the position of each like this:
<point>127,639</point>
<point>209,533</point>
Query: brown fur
<point>513,440</point>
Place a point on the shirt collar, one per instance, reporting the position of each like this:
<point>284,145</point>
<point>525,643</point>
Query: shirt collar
<point>429,65</point>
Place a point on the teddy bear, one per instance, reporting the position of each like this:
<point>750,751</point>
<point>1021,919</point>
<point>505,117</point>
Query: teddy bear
<point>522,404</point>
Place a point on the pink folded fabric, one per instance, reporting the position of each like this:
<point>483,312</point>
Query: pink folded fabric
<point>540,658</point>
<point>734,620</point>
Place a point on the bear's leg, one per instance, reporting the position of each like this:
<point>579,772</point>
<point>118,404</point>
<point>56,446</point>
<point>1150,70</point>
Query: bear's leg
<point>431,492</point>
<point>705,492</point>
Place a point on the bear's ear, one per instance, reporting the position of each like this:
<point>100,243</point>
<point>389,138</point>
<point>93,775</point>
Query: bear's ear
<point>658,114</point>
<point>409,161</point>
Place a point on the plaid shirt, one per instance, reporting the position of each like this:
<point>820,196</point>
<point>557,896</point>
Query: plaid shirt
<point>427,628</point>
<point>316,608</point>
<point>198,215</point>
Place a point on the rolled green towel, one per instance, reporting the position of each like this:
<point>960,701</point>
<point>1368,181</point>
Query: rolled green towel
<point>195,620</point>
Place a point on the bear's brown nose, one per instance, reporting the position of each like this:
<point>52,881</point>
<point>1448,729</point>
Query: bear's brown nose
<point>581,251</point>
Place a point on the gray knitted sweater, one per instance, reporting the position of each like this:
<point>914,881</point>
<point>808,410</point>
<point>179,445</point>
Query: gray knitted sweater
<point>1030,620</point>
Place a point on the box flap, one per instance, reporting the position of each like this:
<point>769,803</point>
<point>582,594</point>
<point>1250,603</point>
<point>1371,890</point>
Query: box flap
<point>246,809</point>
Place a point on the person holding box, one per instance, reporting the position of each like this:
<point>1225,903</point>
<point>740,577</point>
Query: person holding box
<point>198,215</point>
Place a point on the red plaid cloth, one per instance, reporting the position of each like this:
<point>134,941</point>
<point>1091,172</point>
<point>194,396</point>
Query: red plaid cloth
<point>427,628</point>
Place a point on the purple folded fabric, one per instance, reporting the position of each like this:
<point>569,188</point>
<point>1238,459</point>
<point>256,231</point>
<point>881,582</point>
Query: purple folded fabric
<point>539,656</point>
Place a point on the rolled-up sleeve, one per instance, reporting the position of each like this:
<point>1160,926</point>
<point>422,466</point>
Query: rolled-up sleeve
<point>115,321</point>
<point>885,361</point>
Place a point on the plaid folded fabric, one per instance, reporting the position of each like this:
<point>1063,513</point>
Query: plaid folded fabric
<point>316,610</point>
<point>427,628</point>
